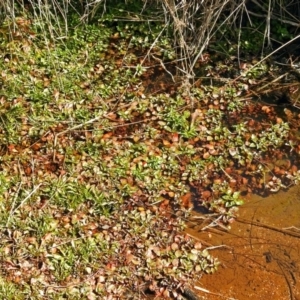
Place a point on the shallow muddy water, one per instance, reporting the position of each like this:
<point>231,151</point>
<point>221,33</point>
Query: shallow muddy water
<point>260,255</point>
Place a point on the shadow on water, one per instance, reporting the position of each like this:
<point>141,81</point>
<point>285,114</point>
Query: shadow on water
<point>259,255</point>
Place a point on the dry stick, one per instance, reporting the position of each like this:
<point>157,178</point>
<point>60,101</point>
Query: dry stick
<point>209,292</point>
<point>73,128</point>
<point>291,228</point>
<point>163,66</point>
<point>258,224</point>
<point>28,196</point>
<point>291,294</point>
<point>13,204</point>
<point>275,88</point>
<point>151,47</point>
<point>218,247</point>
<point>273,81</point>
<point>295,38</point>
<point>201,241</point>
<point>90,122</point>
<point>268,26</point>
<point>210,33</point>
<point>272,16</point>
<point>226,174</point>
<point>23,201</point>
<point>251,226</point>
<point>215,223</point>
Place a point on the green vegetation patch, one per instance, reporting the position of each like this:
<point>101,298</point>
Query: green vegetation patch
<point>95,169</point>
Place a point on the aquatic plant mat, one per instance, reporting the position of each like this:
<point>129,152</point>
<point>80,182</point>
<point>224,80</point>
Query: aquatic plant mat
<point>100,156</point>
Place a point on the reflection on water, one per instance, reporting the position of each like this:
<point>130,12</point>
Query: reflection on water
<point>260,255</point>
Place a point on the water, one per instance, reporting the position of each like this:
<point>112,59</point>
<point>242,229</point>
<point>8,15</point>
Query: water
<point>260,255</point>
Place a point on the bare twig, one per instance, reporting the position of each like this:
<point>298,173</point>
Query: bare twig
<point>269,55</point>
<point>258,224</point>
<point>209,292</point>
<point>14,201</point>
<point>13,210</point>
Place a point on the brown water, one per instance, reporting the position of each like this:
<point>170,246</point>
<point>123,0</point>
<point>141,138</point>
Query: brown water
<point>260,255</point>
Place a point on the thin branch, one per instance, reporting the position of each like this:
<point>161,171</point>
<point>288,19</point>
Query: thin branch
<point>273,228</point>
<point>266,57</point>
<point>209,292</point>
<point>13,210</point>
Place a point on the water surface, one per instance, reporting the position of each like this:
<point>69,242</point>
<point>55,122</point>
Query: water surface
<point>260,255</point>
